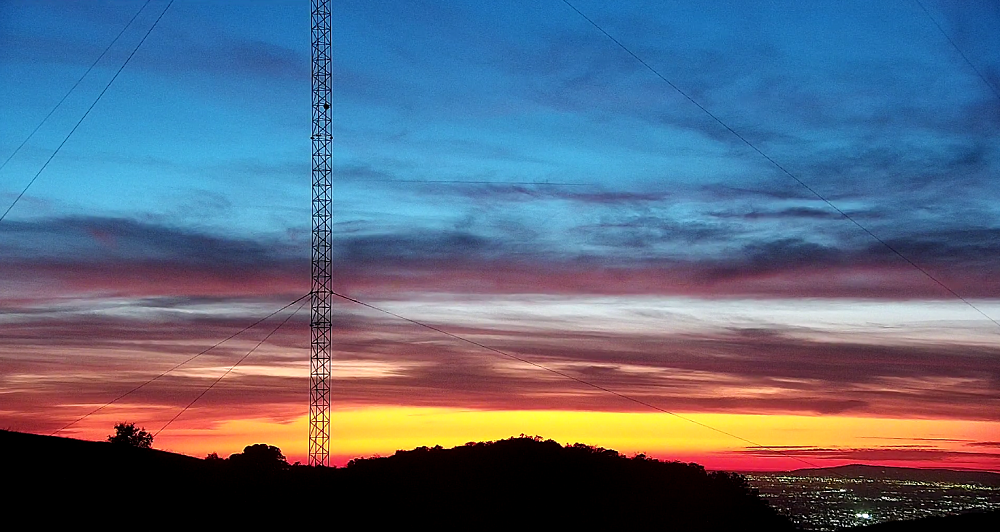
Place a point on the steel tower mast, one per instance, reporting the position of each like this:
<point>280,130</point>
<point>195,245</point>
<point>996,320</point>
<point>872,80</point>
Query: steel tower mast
<point>322,248</point>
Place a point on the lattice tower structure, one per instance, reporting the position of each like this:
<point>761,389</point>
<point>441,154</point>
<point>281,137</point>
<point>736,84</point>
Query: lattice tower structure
<point>320,325</point>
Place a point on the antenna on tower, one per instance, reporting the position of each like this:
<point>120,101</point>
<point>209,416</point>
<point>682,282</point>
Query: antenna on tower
<point>320,318</point>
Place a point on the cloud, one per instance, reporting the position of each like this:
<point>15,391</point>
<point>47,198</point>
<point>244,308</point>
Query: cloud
<point>790,213</point>
<point>180,48</point>
<point>644,231</point>
<point>60,356</point>
<point>627,255</point>
<point>81,255</point>
<point>985,444</point>
<point>572,192</point>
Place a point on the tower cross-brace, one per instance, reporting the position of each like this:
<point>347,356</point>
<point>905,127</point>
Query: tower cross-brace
<point>322,249</point>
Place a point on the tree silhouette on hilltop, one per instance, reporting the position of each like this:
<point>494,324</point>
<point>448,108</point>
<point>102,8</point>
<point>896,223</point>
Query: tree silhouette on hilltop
<point>259,457</point>
<point>127,434</point>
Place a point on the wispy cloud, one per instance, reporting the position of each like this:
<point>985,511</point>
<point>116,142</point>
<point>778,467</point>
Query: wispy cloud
<point>627,255</point>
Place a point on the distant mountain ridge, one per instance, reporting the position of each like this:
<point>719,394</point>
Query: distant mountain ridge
<point>984,478</point>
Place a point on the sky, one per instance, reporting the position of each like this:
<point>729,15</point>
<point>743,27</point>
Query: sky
<point>506,172</point>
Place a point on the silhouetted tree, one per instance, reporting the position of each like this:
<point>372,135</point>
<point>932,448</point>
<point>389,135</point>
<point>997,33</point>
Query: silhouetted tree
<point>127,434</point>
<point>260,457</point>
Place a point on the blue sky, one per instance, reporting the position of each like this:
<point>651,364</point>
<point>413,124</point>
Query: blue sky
<point>871,106</point>
<point>563,173</point>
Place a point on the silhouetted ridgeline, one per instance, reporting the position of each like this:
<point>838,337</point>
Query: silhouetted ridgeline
<point>523,482</point>
<point>527,480</point>
<point>984,478</point>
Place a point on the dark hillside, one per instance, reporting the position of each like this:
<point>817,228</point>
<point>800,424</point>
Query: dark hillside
<point>515,482</point>
<point>67,475</point>
<point>37,459</point>
<point>529,480</point>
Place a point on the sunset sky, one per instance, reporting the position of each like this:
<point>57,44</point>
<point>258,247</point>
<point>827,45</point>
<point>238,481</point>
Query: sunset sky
<point>507,173</point>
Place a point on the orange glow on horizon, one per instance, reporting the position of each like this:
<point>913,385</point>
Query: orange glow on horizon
<point>381,431</point>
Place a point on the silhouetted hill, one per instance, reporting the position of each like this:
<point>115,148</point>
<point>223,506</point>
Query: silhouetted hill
<point>528,480</point>
<point>62,476</point>
<point>984,478</point>
<point>524,482</point>
<point>37,460</point>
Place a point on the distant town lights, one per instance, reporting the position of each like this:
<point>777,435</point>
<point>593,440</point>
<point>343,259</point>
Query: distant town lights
<point>863,515</point>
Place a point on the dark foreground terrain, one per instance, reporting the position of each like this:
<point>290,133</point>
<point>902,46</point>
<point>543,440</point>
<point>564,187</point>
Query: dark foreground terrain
<point>522,482</point>
<point>519,482</point>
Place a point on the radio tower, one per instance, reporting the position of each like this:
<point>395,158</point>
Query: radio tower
<point>322,249</point>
